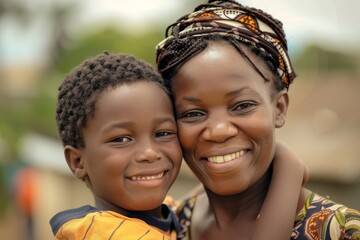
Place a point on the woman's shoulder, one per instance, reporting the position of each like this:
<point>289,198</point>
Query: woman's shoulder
<point>185,213</point>
<point>316,203</point>
<point>322,217</point>
<point>186,207</point>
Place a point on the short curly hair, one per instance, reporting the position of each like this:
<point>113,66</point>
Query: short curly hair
<point>82,87</point>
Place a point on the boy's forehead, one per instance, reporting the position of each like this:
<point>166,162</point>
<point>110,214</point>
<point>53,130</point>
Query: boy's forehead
<point>134,96</point>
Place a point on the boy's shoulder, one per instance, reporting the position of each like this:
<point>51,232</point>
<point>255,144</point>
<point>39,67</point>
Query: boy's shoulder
<point>92,222</point>
<point>65,216</point>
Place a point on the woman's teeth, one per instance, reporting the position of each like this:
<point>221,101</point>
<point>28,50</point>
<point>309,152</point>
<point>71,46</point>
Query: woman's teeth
<point>226,158</point>
<point>152,177</point>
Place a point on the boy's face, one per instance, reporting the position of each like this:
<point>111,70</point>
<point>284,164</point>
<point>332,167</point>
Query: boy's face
<point>132,154</point>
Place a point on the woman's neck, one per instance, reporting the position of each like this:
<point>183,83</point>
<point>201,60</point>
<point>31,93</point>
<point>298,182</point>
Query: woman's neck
<point>244,206</point>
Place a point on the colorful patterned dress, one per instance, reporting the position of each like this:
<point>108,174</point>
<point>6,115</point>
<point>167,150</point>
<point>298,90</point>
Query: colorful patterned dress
<point>88,222</point>
<point>320,219</point>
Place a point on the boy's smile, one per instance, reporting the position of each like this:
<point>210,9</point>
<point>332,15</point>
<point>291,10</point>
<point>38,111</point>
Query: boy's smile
<point>149,177</point>
<point>146,177</point>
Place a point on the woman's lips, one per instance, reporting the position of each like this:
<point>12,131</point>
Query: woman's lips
<point>226,158</point>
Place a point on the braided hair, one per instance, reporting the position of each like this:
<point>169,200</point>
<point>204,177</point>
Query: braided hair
<point>175,52</point>
<point>82,87</point>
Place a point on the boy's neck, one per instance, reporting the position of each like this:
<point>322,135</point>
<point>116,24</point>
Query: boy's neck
<point>107,206</point>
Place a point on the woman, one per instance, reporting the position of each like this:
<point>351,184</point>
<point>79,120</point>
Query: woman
<point>228,69</point>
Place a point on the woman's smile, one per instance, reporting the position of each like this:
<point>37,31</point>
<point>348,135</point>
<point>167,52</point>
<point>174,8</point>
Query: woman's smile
<point>227,157</point>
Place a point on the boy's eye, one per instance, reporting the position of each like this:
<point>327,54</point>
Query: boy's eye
<point>164,134</point>
<point>121,139</point>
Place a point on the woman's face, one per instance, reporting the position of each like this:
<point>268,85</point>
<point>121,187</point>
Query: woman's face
<point>227,114</point>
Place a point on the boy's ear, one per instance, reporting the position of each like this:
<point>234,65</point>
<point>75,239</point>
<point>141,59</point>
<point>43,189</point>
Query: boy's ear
<point>75,162</point>
<point>282,103</point>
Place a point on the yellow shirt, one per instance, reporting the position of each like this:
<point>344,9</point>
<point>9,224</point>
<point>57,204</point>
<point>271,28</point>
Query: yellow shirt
<point>89,223</point>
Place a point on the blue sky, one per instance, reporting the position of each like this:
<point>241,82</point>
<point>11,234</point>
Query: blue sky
<point>332,22</point>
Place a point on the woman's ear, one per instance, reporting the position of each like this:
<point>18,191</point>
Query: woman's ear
<point>75,162</point>
<point>281,106</point>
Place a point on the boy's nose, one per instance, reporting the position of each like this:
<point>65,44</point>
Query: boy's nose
<point>148,153</point>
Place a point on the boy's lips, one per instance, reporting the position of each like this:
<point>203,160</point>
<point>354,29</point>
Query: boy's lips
<point>147,177</point>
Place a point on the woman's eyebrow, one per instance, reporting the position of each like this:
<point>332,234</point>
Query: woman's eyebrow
<point>240,90</point>
<point>187,99</point>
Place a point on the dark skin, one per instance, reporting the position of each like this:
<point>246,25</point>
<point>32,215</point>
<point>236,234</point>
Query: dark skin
<point>132,154</point>
<point>227,132</point>
<point>288,173</point>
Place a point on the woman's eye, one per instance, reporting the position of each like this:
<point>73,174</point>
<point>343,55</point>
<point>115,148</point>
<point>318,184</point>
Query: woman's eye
<point>244,106</point>
<point>191,114</point>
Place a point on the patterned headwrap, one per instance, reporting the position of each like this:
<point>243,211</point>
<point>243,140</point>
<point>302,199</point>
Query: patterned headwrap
<point>235,22</point>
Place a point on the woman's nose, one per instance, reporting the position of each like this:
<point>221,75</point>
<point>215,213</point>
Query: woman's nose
<point>220,131</point>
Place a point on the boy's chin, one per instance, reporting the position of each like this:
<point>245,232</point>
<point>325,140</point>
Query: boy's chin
<point>150,202</point>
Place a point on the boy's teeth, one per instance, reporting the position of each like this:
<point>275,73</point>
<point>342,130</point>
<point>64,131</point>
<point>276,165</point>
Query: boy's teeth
<point>226,158</point>
<point>153,177</point>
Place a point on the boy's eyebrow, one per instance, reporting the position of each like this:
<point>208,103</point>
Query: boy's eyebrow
<point>129,124</point>
<point>117,125</point>
<point>165,119</point>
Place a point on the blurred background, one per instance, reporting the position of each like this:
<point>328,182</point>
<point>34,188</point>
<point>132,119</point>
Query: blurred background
<point>41,40</point>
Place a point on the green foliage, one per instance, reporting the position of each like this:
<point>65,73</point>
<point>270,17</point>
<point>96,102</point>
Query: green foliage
<point>316,58</point>
<point>4,191</point>
<point>37,114</point>
<point>13,121</point>
<point>42,117</point>
<point>108,38</point>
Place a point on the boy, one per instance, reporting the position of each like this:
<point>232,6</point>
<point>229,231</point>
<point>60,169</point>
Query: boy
<point>116,123</point>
